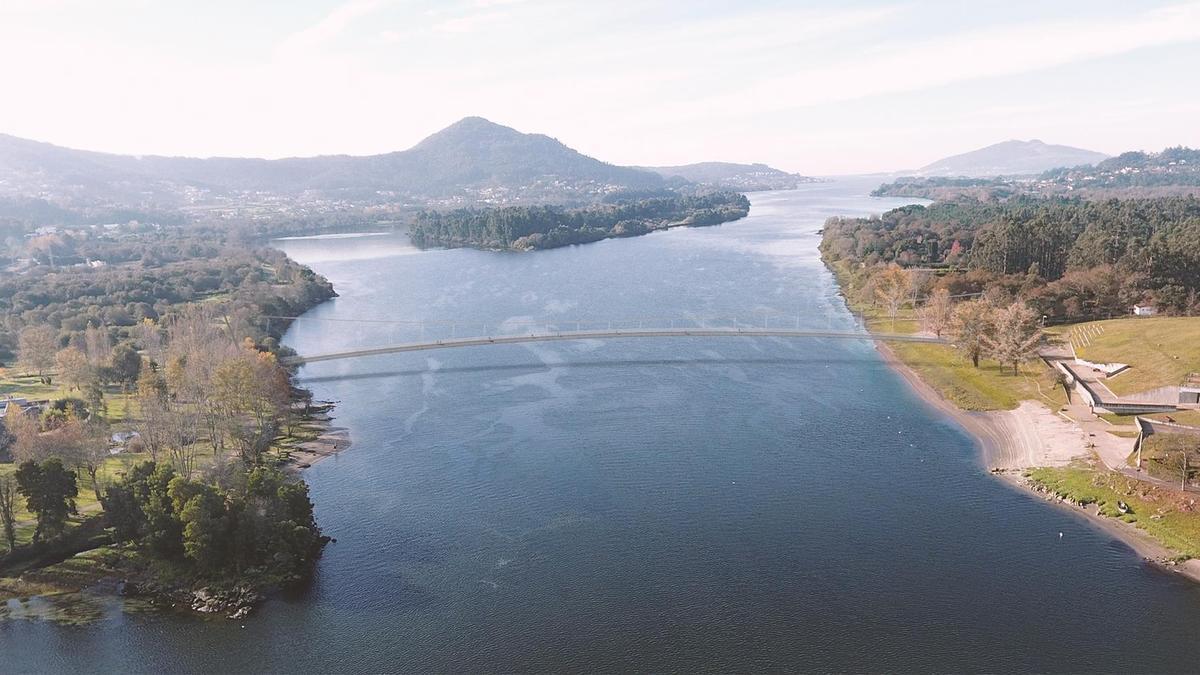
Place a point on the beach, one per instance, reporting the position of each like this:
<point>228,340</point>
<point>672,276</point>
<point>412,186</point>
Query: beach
<point>1011,441</point>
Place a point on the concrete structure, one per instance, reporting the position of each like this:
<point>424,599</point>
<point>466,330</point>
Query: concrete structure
<point>1144,310</point>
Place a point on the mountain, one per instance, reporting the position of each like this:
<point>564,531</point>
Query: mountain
<point>471,160</point>
<point>730,176</point>
<point>1011,158</point>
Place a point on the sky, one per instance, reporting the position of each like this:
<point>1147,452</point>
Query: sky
<point>813,87</point>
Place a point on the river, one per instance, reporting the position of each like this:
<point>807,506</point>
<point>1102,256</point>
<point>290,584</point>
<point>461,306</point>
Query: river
<point>651,504</point>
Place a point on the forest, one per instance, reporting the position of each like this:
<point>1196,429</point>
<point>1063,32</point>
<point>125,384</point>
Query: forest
<point>523,228</point>
<point>1069,258</point>
<point>82,279</point>
<point>167,409</point>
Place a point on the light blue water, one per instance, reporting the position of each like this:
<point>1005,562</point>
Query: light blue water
<point>669,504</point>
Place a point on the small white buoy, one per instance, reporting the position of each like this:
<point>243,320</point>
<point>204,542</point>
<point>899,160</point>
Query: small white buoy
<point>1060,535</point>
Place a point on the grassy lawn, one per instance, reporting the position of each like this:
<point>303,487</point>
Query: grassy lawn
<point>947,371</point>
<point>25,386</point>
<point>982,388</point>
<point>1164,514</point>
<point>1161,351</point>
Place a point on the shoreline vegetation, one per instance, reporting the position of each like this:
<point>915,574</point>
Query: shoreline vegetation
<point>151,453</point>
<point>1025,439</point>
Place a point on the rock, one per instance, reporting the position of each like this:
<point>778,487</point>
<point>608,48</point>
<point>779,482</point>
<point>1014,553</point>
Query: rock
<point>241,613</point>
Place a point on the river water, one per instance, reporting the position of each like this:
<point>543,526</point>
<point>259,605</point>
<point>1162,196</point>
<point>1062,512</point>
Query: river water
<point>651,504</point>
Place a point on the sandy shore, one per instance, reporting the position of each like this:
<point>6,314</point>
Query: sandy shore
<point>331,441</point>
<point>1013,440</point>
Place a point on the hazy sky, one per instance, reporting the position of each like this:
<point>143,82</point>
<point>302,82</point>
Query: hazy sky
<point>814,87</point>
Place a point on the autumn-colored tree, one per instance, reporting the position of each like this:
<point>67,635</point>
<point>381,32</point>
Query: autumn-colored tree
<point>970,324</point>
<point>892,287</point>
<point>937,312</point>
<point>252,390</point>
<point>27,442</point>
<point>1015,337</point>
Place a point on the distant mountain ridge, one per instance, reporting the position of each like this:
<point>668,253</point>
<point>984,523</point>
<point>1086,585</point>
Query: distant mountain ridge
<point>472,156</point>
<point>1011,158</point>
<point>732,176</point>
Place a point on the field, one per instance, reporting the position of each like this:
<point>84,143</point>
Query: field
<point>947,371</point>
<point>1161,351</point>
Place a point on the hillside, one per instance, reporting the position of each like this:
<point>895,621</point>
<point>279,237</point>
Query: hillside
<point>472,160</point>
<point>1130,175</point>
<point>731,176</point>
<point>1011,158</point>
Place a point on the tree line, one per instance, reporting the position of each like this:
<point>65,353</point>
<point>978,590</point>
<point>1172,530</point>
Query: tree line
<point>1068,259</point>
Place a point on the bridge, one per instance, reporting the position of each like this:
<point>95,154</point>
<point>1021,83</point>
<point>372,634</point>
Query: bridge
<point>607,334</point>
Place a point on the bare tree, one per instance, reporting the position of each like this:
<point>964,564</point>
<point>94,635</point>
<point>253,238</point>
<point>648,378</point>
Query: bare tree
<point>28,444</point>
<point>97,346</point>
<point>73,368</point>
<point>937,312</point>
<point>36,348</point>
<point>892,288</point>
<point>1016,335</point>
<point>970,324</point>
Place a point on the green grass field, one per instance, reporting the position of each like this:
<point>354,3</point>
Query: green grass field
<point>1161,351</point>
<point>952,375</point>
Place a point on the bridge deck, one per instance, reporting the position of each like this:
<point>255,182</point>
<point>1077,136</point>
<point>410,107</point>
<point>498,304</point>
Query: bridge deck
<point>606,335</point>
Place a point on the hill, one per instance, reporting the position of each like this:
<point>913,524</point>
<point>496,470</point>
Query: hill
<point>1130,175</point>
<point>472,160</point>
<point>730,176</point>
<point>1011,158</point>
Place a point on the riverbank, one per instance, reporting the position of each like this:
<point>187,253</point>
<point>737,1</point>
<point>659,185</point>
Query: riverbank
<point>326,441</point>
<point>1012,443</point>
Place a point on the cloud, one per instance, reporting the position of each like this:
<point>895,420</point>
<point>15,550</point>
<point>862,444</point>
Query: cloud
<point>940,61</point>
<point>331,26</point>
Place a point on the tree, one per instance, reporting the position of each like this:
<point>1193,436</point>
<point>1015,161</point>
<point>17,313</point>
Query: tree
<point>50,490</point>
<point>892,287</point>
<point>91,449</point>
<point>73,368</point>
<point>8,510</point>
<point>126,364</point>
<point>201,510</point>
<point>253,391</point>
<point>8,440</point>
<point>937,312</point>
<point>970,324</point>
<point>97,346</point>
<point>1016,335</point>
<point>27,443</point>
<point>36,348</point>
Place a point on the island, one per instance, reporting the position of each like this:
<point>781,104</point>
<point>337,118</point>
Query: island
<point>524,228</point>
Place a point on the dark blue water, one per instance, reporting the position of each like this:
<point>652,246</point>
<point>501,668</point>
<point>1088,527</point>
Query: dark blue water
<point>671,504</point>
